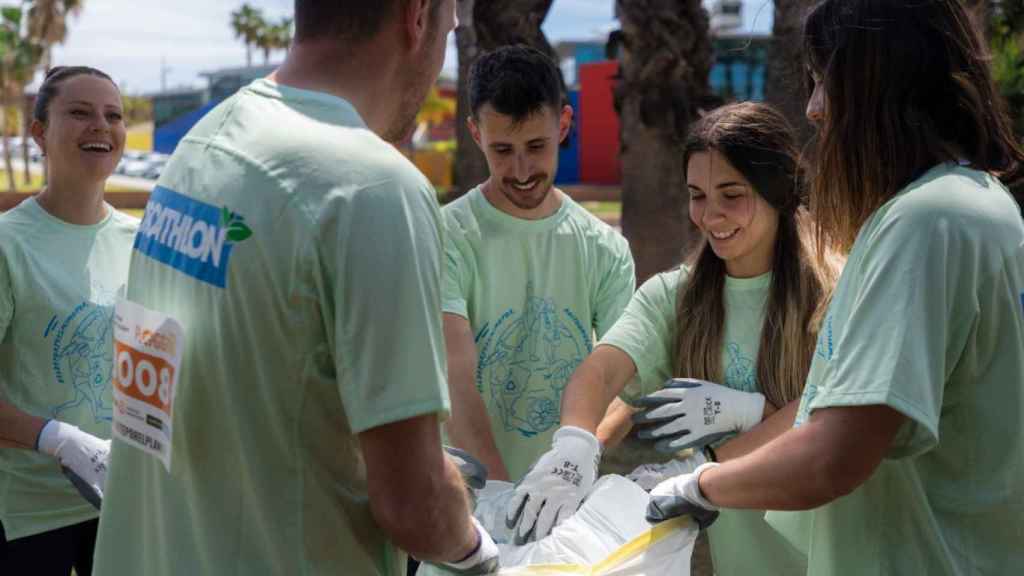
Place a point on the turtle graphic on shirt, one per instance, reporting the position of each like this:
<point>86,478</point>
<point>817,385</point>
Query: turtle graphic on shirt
<point>740,370</point>
<point>526,363</point>
<point>83,357</point>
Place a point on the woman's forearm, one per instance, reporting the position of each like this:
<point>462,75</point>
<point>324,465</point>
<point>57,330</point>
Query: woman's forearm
<point>18,429</point>
<point>769,429</point>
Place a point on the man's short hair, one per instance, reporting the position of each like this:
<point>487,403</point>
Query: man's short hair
<point>354,21</point>
<point>517,81</point>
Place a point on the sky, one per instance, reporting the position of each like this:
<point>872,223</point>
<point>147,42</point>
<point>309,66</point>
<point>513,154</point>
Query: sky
<point>149,44</point>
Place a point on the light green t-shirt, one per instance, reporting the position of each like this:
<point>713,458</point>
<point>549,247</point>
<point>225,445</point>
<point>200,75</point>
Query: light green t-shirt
<point>323,323</point>
<point>534,292</point>
<point>58,286</point>
<point>928,318</point>
<point>741,542</point>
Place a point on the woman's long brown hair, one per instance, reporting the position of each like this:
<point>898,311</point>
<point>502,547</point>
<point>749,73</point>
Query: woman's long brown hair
<point>906,87</point>
<point>758,142</point>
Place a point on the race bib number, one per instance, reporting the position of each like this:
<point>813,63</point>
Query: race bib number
<point>147,356</point>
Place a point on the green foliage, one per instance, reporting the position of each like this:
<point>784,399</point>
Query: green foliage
<point>254,30</point>
<point>1006,40</point>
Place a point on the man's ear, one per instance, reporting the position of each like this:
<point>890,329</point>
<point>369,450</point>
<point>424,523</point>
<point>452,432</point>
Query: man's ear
<point>474,131</point>
<point>416,22</point>
<point>564,123</point>
<point>38,131</point>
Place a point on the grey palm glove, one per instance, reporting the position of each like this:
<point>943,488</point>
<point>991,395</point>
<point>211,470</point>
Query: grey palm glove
<point>689,412</point>
<point>681,495</point>
<point>473,471</point>
<point>555,486</point>
<point>647,476</point>
<point>482,560</point>
<point>82,456</point>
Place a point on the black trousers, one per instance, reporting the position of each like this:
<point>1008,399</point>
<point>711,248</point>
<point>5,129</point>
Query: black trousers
<point>52,553</point>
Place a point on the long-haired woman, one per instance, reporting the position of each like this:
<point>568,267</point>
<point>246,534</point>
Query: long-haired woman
<point>908,449</point>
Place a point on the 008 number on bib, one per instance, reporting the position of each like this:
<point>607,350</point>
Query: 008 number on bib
<point>147,355</point>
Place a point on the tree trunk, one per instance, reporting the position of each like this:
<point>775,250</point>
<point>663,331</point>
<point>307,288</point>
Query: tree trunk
<point>483,26</point>
<point>785,82</point>
<point>666,60</point>
<point>470,165</point>
<point>12,186</point>
<point>26,133</point>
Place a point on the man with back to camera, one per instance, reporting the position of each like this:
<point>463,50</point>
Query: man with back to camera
<point>530,278</point>
<point>301,255</point>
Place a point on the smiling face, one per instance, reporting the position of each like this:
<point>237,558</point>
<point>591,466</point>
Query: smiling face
<point>522,157</point>
<point>739,224</point>
<point>83,136</point>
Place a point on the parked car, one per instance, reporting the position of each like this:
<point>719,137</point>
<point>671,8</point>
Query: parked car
<point>156,166</point>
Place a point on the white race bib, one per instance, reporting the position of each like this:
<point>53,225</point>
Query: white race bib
<point>147,356</point>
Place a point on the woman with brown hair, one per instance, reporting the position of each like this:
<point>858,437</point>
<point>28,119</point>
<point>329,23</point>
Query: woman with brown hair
<point>742,313</point>
<point>64,257</point>
<point>908,448</point>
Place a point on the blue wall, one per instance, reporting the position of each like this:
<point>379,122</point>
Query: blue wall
<point>166,137</point>
<point>569,156</point>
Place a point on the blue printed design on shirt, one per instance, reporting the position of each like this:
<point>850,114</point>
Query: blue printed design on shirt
<point>83,355</point>
<point>826,344</point>
<point>526,360</point>
<point>740,370</point>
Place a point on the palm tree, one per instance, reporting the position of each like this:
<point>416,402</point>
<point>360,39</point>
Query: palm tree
<point>283,34</point>
<point>486,25</point>
<point>47,26</point>
<point>470,166</point>
<point>248,23</point>
<point>272,37</point>
<point>48,22</point>
<point>663,82</point>
<point>785,79</point>
<point>20,56</point>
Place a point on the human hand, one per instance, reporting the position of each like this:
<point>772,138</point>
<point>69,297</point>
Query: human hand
<point>82,456</point>
<point>689,412</point>
<point>647,476</point>
<point>482,560</point>
<point>681,495</point>
<point>555,486</point>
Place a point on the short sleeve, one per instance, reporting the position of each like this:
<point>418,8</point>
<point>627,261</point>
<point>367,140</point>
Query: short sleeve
<point>455,276</point>
<point>892,347</point>
<point>6,298</point>
<point>646,333</point>
<point>382,251</point>
<point>616,286</point>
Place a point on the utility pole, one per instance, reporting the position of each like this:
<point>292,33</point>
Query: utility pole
<point>164,71</point>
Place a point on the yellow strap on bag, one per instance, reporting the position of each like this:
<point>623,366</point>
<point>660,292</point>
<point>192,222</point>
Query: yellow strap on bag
<point>614,562</point>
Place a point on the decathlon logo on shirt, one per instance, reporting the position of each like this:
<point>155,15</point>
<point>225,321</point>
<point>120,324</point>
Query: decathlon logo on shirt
<point>191,236</point>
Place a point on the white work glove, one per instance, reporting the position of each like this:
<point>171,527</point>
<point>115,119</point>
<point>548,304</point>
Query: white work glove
<point>647,476</point>
<point>689,412</point>
<point>82,456</point>
<point>482,560</point>
<point>681,495</point>
<point>555,485</point>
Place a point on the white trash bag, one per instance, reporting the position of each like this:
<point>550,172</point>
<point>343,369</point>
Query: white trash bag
<point>608,536</point>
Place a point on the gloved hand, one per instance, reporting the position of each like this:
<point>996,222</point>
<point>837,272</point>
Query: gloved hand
<point>482,560</point>
<point>681,495</point>
<point>473,471</point>
<point>689,412</point>
<point>647,476</point>
<point>82,456</point>
<point>555,486</point>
